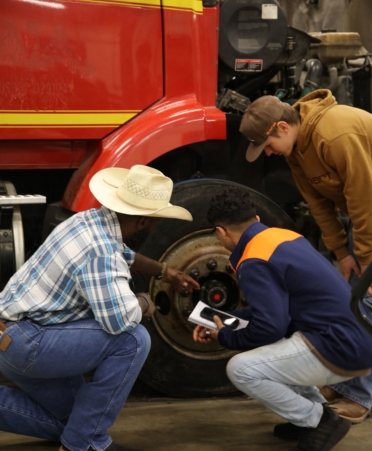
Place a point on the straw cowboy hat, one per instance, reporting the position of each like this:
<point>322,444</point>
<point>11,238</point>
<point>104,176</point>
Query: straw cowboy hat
<point>141,191</point>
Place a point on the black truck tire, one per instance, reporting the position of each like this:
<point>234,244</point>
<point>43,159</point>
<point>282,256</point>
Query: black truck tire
<point>170,368</point>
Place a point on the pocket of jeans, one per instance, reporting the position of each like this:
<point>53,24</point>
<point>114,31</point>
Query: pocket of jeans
<point>21,352</point>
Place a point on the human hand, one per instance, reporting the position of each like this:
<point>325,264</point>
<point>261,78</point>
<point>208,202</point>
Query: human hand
<point>363,268</point>
<point>202,334</point>
<point>180,280</point>
<point>145,302</point>
<point>347,265</point>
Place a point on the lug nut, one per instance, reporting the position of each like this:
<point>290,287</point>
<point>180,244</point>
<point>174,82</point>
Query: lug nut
<point>211,265</point>
<point>194,273</point>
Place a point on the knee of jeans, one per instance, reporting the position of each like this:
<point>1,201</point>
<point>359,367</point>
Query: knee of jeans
<point>241,371</point>
<point>234,368</point>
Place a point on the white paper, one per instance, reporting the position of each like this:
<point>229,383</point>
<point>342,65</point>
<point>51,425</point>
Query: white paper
<point>269,12</point>
<point>197,319</point>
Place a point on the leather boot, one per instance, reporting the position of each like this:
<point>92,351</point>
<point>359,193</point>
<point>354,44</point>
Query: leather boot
<point>344,407</point>
<point>351,410</point>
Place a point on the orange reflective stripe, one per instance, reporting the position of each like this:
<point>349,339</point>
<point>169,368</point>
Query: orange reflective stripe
<point>263,245</point>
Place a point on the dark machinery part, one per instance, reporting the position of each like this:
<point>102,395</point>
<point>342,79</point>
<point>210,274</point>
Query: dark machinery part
<point>255,44</point>
<point>362,82</point>
<point>252,35</point>
<point>314,73</point>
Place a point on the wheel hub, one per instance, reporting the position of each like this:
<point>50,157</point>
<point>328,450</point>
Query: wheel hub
<point>215,293</point>
<point>200,255</point>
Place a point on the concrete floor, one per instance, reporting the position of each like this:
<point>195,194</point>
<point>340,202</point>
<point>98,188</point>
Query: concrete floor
<point>226,424</point>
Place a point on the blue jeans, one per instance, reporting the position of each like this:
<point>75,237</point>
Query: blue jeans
<point>358,389</point>
<point>284,377</point>
<point>47,363</point>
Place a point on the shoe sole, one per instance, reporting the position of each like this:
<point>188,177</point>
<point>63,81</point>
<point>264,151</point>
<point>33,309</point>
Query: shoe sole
<point>291,438</point>
<point>342,429</point>
<point>357,420</point>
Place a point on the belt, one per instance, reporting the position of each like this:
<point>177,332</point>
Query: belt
<point>4,340</point>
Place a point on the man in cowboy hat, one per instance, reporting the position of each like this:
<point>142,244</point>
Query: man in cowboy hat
<point>69,309</point>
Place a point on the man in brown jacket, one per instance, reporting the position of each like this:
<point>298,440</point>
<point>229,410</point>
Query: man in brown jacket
<point>329,150</point>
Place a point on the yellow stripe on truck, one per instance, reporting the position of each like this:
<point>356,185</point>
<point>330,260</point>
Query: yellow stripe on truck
<point>195,6</point>
<point>143,3</point>
<point>13,119</point>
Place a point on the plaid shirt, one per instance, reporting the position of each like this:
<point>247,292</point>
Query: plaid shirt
<point>80,272</point>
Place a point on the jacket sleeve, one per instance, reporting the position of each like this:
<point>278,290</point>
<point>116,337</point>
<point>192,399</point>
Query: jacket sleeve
<point>324,212</point>
<point>265,290</point>
<point>350,155</point>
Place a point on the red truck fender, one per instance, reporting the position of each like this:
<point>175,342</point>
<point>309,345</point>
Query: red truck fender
<point>159,129</point>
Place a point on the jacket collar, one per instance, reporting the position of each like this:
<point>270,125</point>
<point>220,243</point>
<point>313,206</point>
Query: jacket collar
<point>248,234</point>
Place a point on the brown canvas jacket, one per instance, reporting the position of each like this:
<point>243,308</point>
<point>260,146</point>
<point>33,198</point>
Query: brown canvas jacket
<point>332,167</point>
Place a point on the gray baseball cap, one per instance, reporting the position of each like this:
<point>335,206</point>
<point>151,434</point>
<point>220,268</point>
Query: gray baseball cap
<point>258,123</point>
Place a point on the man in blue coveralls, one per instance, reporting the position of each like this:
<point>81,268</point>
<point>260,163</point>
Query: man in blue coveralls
<point>301,332</point>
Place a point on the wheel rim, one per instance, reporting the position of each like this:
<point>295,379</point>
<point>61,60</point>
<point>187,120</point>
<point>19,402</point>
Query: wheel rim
<point>200,255</point>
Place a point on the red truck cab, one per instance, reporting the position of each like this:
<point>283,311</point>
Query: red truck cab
<point>90,84</point>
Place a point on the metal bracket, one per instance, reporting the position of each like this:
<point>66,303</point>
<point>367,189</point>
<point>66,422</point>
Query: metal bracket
<point>6,236</point>
<point>234,100</point>
<point>12,252</point>
<point>20,199</point>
